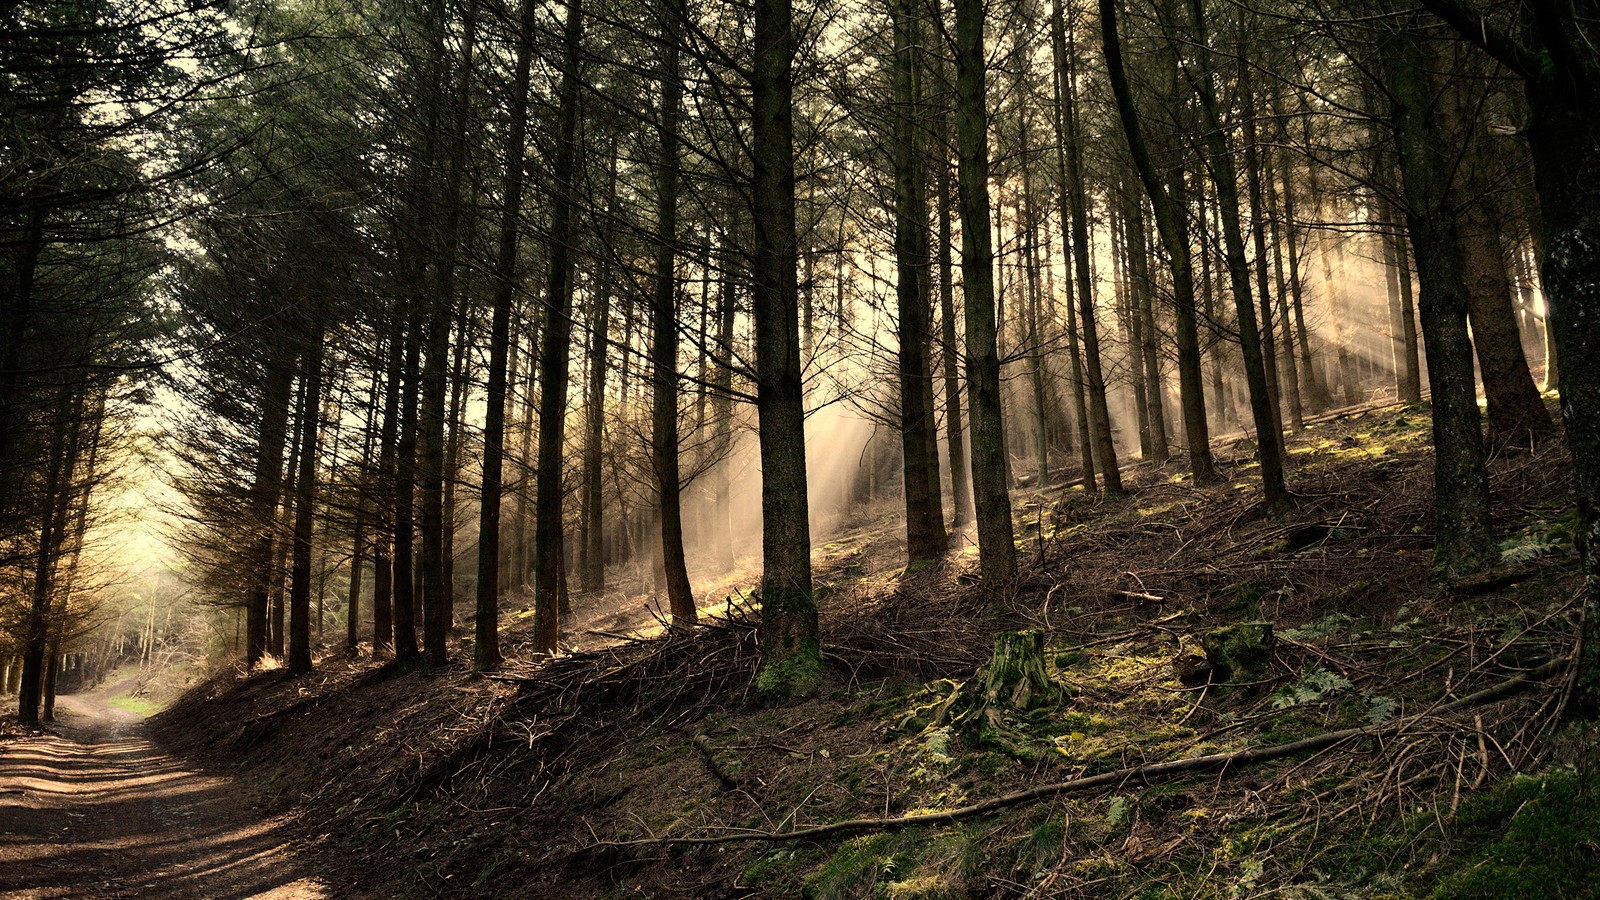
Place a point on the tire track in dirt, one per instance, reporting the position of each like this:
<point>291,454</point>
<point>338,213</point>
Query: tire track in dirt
<point>94,810</point>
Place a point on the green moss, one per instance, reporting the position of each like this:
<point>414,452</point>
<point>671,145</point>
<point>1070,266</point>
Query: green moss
<point>781,869</point>
<point>1240,653</point>
<point>1041,848</point>
<point>1070,659</point>
<point>1530,837</point>
<point>795,675</point>
<point>669,753</point>
<point>1246,599</point>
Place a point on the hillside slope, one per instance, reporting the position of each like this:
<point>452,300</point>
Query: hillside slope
<point>566,779</point>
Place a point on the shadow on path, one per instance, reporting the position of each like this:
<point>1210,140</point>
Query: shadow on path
<point>96,811</point>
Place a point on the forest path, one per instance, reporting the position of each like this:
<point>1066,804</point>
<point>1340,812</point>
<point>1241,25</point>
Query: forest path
<point>94,810</point>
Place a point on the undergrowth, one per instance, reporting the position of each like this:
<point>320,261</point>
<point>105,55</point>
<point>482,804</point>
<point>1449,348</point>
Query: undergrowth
<point>570,779</point>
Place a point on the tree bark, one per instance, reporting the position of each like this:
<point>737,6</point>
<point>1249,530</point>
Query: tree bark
<point>53,504</point>
<point>265,487</point>
<point>1104,448</point>
<point>593,572</point>
<point>955,433</point>
<point>1463,543</point>
<point>555,353</point>
<point>406,652</point>
<point>791,653</point>
<point>997,553</point>
<point>925,534</point>
<point>486,632</point>
<point>1516,412</point>
<point>1071,200</point>
<point>299,657</point>
<point>1291,368</point>
<point>664,339</point>
<point>1226,181</point>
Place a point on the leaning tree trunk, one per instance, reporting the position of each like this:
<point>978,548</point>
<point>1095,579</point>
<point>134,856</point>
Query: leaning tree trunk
<point>1226,181</point>
<point>1516,412</point>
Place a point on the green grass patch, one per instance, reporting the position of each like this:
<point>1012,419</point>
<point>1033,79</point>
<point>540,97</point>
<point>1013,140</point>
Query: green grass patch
<point>139,706</point>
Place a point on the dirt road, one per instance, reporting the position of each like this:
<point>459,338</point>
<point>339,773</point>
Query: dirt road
<point>93,810</point>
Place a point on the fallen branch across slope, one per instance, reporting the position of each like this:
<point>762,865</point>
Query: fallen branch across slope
<point>1152,773</point>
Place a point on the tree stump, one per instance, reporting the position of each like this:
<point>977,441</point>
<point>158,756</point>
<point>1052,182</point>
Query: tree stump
<point>1015,677</point>
<point>1240,654</point>
<point>1014,682</point>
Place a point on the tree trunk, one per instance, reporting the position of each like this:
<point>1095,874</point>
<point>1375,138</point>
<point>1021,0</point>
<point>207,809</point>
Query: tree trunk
<point>1102,453</point>
<point>1564,136</point>
<point>299,661</point>
<point>362,514</point>
<point>406,652</point>
<point>265,488</point>
<point>925,534</point>
<point>1316,387</point>
<point>555,353</point>
<point>1143,353</point>
<point>791,654</point>
<point>52,668</point>
<point>1226,180</point>
<point>664,337</point>
<point>486,632</point>
<point>1516,412</point>
<point>1070,194</point>
<point>54,505</point>
<point>955,433</point>
<point>997,553</point>
<point>593,573</point>
<point>276,637</point>
<point>1463,542</point>
<point>1291,369</point>
<point>1258,236</point>
<point>722,416</point>
<point>1124,302</point>
<point>1035,325</point>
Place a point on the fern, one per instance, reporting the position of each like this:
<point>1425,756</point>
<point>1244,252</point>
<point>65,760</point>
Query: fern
<point>1527,548</point>
<point>1312,687</point>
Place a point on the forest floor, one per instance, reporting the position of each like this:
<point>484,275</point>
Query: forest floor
<point>91,809</point>
<point>649,768</point>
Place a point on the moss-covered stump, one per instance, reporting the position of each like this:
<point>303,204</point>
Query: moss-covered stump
<point>1014,682</point>
<point>1239,654</point>
<point>1015,677</point>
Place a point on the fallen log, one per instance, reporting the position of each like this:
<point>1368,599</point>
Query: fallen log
<point>1152,773</point>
